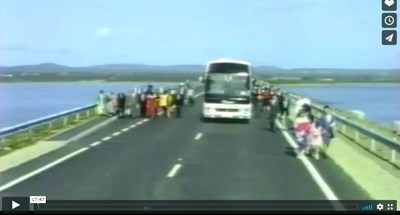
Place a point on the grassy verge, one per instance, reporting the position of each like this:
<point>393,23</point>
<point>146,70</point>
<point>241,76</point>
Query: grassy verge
<point>42,132</point>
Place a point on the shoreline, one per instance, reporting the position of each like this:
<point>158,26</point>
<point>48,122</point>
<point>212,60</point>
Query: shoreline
<point>336,84</point>
<point>276,84</point>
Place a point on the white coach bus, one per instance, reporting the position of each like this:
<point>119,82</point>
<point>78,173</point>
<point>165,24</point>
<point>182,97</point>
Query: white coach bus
<point>227,92</point>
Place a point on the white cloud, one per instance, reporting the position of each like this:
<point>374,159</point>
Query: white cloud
<point>103,32</point>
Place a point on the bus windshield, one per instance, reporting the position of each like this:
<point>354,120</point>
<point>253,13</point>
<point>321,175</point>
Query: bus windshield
<point>227,68</point>
<point>237,84</point>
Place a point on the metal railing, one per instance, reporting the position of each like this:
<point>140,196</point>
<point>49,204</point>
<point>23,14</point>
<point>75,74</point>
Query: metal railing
<point>50,122</point>
<point>387,148</point>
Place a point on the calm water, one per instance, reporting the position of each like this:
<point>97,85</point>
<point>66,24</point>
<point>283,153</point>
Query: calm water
<point>26,101</point>
<point>23,102</point>
<point>379,103</point>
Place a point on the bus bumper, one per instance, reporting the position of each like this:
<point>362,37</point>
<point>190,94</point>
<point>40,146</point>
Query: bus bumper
<point>226,115</point>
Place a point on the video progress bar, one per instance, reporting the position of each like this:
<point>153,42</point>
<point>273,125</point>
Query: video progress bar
<point>191,207</point>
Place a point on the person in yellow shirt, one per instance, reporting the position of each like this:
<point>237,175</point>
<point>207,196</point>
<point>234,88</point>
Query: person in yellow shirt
<point>163,102</point>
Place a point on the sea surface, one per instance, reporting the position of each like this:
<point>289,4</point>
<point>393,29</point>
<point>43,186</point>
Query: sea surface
<point>380,103</point>
<point>20,102</point>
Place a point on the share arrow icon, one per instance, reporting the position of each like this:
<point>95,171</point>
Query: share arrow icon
<point>390,38</point>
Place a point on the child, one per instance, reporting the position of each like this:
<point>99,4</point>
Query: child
<point>315,138</point>
<point>301,129</point>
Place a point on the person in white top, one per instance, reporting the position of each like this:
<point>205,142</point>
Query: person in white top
<point>328,123</point>
<point>101,103</point>
<point>189,96</point>
<point>300,103</point>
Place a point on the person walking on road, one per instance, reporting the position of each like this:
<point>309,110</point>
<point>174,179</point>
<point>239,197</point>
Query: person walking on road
<point>142,103</point>
<point>301,128</point>
<point>132,98</point>
<point>315,137</point>
<point>284,105</point>
<point>164,103</point>
<point>328,123</point>
<point>182,92</point>
<point>266,97</point>
<point>101,103</point>
<point>180,101</point>
<point>190,96</point>
<point>273,112</point>
<point>112,104</point>
<point>121,100</point>
<point>150,102</point>
<point>171,103</point>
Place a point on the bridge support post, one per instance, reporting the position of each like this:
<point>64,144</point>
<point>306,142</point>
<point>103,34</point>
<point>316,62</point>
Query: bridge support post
<point>77,116</point>
<point>393,155</point>
<point>357,136</point>
<point>343,129</point>
<point>87,113</point>
<point>373,144</point>
<point>50,125</point>
<point>65,120</point>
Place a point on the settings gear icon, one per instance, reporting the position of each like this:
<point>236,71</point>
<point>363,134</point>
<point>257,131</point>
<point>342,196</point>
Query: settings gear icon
<point>379,206</point>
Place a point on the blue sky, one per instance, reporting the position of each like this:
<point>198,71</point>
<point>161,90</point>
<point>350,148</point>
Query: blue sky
<point>283,33</point>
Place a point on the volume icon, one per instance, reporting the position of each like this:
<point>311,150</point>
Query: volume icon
<point>368,207</point>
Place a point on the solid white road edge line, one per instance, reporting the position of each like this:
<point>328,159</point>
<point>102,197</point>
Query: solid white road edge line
<point>328,192</point>
<point>66,157</point>
<point>46,167</point>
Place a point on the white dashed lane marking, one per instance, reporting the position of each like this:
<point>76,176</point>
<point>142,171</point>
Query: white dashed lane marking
<point>174,170</point>
<point>22,178</point>
<point>95,143</point>
<point>198,136</point>
<point>41,169</point>
<point>116,133</point>
<point>105,138</point>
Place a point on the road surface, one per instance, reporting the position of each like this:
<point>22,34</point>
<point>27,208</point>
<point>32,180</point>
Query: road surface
<point>179,159</point>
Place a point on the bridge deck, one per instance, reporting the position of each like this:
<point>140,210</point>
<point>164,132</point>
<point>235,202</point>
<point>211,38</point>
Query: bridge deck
<point>218,161</point>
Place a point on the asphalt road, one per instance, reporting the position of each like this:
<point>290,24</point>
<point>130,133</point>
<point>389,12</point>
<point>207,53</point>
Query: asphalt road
<point>179,159</point>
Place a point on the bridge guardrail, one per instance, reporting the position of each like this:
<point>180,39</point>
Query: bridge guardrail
<point>48,122</point>
<point>385,147</point>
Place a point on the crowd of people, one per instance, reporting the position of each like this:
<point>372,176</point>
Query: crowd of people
<point>313,134</point>
<point>146,102</point>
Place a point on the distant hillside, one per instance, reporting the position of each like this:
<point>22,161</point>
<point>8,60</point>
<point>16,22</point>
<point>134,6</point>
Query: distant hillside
<point>114,68</point>
<point>56,72</point>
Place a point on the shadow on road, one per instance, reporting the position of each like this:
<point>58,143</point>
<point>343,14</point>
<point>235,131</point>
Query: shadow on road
<point>226,121</point>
